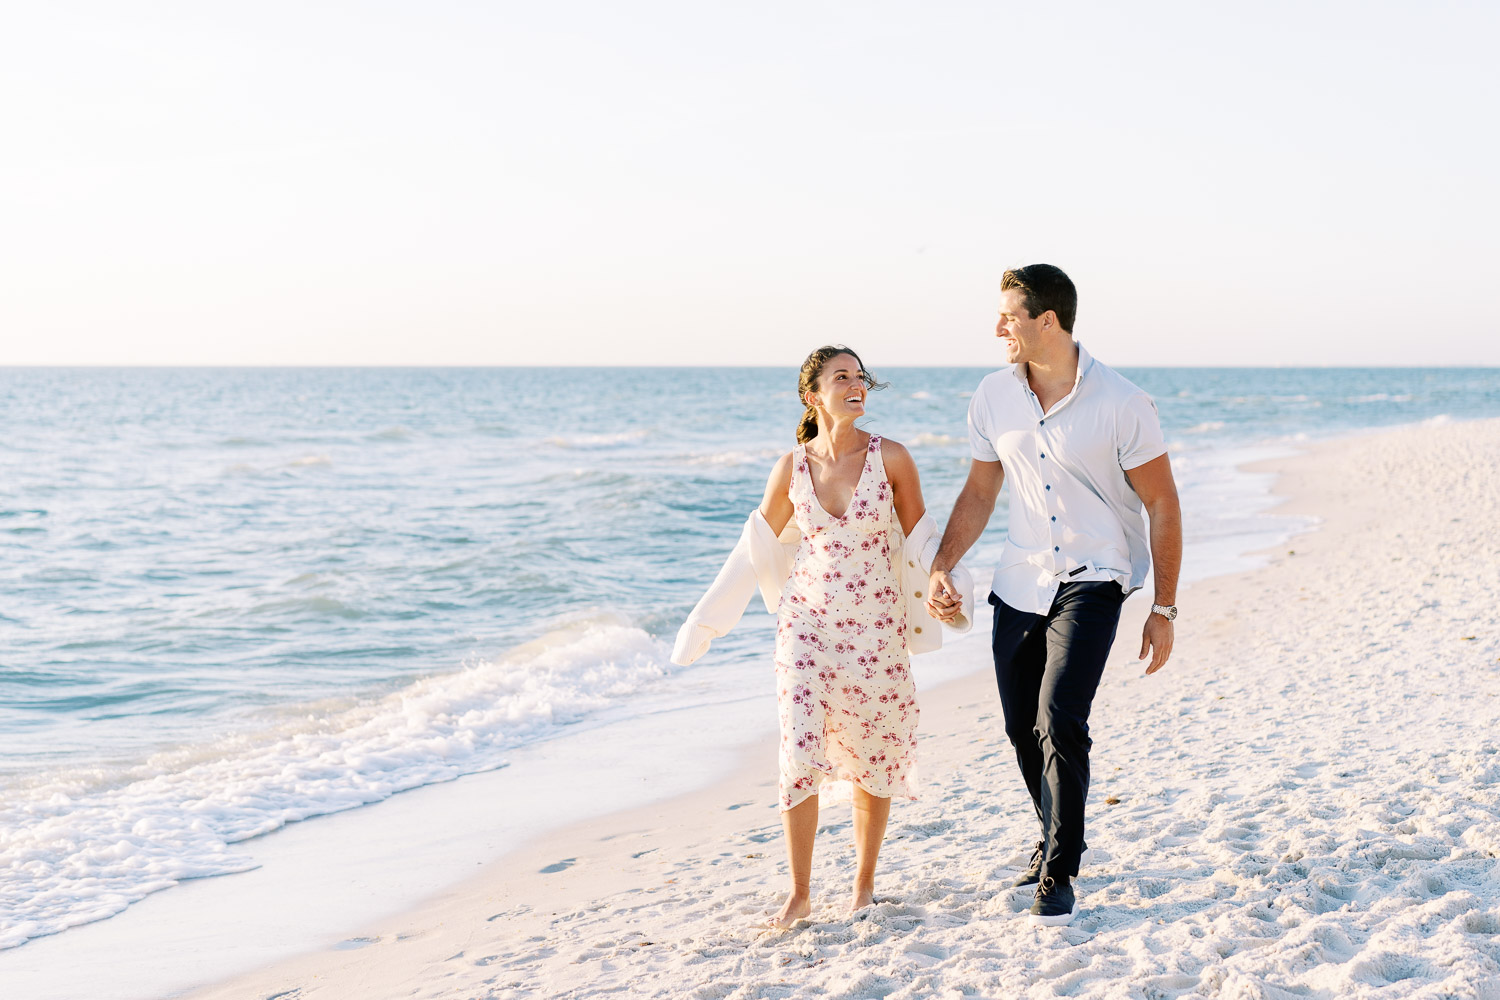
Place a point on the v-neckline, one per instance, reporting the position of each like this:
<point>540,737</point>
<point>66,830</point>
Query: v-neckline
<point>812,487</point>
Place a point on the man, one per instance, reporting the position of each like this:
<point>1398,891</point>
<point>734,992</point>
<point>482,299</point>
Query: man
<point>1082,449</point>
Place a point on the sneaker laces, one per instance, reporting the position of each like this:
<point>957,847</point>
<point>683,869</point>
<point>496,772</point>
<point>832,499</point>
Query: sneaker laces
<point>1045,886</point>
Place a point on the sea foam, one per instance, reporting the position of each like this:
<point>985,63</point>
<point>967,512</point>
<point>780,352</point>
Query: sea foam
<point>602,440</point>
<point>927,439</point>
<point>82,845</point>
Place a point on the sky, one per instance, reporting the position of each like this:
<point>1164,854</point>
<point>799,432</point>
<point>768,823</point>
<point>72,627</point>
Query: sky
<point>701,184</point>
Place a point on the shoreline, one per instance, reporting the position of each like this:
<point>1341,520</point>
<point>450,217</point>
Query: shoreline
<point>663,897</point>
<point>1220,549</point>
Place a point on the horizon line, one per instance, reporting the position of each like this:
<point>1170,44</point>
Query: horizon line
<point>190,366</point>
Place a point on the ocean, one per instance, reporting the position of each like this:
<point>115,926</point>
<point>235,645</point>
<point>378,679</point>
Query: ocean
<point>235,599</point>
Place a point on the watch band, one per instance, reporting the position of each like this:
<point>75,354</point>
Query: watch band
<point>1169,612</point>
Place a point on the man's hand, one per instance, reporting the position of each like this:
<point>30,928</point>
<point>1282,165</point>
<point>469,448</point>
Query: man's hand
<point>1156,638</point>
<point>1153,483</point>
<point>943,599</point>
<point>971,512</point>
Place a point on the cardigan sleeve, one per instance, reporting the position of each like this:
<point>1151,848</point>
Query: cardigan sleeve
<point>721,607</point>
<point>771,557</point>
<point>916,552</point>
<point>962,579</point>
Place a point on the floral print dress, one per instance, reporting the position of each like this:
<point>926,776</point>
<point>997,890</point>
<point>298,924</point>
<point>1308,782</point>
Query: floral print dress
<point>845,695</point>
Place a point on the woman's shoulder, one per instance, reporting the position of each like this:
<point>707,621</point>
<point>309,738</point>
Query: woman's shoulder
<point>896,459</point>
<point>891,448</point>
<point>782,470</point>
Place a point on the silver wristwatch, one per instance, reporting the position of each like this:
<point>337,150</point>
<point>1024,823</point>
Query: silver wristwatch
<point>1167,612</point>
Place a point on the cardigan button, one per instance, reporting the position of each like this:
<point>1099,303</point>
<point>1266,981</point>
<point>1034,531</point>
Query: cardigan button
<point>910,562</point>
<point>917,629</point>
<point>917,592</point>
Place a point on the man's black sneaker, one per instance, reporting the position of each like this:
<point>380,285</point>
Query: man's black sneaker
<point>1033,873</point>
<point>1054,904</point>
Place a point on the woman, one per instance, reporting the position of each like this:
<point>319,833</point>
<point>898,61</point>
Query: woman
<point>847,616</point>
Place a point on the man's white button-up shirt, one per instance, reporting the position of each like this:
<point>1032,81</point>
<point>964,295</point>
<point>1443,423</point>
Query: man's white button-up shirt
<point>1073,514</point>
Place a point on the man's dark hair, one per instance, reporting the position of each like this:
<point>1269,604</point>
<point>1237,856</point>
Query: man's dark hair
<point>1046,287</point>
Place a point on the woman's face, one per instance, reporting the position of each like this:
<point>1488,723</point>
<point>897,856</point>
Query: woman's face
<point>841,388</point>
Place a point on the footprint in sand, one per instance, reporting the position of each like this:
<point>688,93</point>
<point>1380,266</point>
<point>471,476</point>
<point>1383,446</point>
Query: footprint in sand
<point>740,805</point>
<point>351,943</point>
<point>558,866</point>
<point>934,951</point>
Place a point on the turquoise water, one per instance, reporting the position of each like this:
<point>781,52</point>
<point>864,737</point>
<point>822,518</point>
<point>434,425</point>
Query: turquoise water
<point>238,598</point>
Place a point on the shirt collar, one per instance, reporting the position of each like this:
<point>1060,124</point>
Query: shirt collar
<point>1085,362</point>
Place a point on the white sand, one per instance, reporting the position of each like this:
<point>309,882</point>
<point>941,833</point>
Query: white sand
<point>1308,806</point>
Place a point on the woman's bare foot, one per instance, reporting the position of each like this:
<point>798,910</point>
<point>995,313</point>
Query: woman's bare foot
<point>864,895</point>
<point>798,906</point>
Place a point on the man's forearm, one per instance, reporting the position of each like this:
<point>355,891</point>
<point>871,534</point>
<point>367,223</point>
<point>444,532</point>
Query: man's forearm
<point>971,512</point>
<point>1166,550</point>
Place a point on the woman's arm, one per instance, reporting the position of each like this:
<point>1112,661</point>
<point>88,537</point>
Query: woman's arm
<point>776,506</point>
<point>906,485</point>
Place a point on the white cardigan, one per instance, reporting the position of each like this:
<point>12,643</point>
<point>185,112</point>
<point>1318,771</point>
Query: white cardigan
<point>764,560</point>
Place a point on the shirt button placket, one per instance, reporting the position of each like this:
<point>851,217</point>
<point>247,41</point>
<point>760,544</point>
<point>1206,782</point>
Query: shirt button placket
<point>1056,549</point>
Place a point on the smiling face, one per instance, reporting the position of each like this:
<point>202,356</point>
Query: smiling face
<point>841,388</point>
<point>1020,333</point>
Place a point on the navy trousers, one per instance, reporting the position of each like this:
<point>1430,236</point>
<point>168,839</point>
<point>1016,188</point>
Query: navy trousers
<point>1048,668</point>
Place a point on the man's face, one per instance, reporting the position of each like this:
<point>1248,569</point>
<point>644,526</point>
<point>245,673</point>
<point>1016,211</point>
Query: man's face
<point>1020,334</point>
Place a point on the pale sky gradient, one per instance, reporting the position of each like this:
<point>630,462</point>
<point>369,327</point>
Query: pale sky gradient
<point>700,183</point>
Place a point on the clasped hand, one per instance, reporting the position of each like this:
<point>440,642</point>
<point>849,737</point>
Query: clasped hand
<point>943,599</point>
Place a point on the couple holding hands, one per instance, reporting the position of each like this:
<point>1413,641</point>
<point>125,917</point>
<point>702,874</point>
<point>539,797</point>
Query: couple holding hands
<point>844,552</point>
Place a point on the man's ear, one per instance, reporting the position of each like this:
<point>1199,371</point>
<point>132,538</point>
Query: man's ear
<point>1049,319</point>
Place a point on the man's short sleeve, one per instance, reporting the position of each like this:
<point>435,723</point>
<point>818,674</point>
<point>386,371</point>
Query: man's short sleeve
<point>1139,437</point>
<point>980,446</point>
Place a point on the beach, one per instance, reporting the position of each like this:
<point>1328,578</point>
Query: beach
<point>387,387</point>
<point>244,606</point>
<point>1303,803</point>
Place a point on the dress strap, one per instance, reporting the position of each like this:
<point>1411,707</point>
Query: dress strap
<point>875,460</point>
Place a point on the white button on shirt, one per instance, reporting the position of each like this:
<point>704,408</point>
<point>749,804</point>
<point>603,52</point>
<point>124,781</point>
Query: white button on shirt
<point>1073,514</point>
